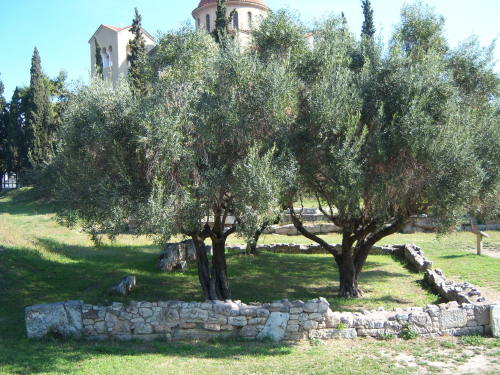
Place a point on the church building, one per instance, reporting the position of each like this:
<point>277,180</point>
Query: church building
<point>114,41</point>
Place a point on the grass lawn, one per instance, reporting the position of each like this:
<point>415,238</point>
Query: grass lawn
<point>41,261</point>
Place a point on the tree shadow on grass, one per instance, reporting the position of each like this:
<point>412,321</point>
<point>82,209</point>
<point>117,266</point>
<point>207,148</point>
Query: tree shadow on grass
<point>50,355</point>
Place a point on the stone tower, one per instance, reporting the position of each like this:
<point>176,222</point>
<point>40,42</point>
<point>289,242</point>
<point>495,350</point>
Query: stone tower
<point>248,14</point>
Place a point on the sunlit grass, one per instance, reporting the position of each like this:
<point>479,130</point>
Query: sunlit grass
<point>41,261</point>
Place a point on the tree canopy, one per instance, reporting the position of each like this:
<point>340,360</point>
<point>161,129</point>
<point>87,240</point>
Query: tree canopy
<point>221,139</point>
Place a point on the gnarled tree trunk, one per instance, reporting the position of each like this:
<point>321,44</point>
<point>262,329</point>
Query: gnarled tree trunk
<point>219,285</point>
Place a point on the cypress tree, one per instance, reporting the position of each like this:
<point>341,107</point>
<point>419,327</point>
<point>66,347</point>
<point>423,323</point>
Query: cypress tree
<point>222,22</point>
<point>368,28</point>
<point>16,145</point>
<point>2,99</point>
<point>38,126</point>
<point>3,132</point>
<point>99,66</point>
<point>137,54</point>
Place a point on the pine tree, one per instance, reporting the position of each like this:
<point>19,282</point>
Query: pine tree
<point>137,54</point>
<point>368,28</point>
<point>99,66</point>
<point>38,126</point>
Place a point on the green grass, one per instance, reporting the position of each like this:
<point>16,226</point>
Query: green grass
<point>41,261</point>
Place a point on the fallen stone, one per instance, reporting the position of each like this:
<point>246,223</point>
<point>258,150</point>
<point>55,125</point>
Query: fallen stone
<point>60,319</point>
<point>495,320</point>
<point>275,327</point>
<point>123,287</point>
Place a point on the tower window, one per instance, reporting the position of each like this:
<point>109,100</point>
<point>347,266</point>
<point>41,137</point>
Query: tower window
<point>250,21</point>
<point>235,21</point>
<point>208,22</point>
<point>198,22</point>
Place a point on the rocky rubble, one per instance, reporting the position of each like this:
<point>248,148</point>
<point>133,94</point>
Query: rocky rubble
<point>123,287</point>
<point>452,291</point>
<point>175,256</point>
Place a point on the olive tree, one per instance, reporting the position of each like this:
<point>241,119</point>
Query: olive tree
<point>393,137</point>
<point>196,156</point>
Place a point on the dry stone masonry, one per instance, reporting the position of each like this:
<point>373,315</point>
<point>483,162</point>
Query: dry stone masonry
<point>278,321</point>
<point>452,291</point>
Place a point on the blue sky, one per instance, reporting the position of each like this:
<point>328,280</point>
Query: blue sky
<point>61,28</point>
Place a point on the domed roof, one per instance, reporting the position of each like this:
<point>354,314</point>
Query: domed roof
<point>206,2</point>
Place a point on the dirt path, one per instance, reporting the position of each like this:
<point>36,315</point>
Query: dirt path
<point>451,358</point>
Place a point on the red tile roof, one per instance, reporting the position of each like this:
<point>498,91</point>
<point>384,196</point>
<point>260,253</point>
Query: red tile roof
<point>116,28</point>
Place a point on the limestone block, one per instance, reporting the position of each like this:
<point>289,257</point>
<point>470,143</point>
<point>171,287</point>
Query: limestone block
<point>194,315</point>
<point>465,331</point>
<point>310,324</point>
<point>421,322</point>
<point>216,318</point>
<point>226,308</point>
<point>347,319</point>
<point>326,334</point>
<point>311,307</point>
<point>249,331</point>
<point>275,327</point>
<point>145,312</point>
<point>142,328</point>
<point>258,321</point>
<point>316,316</point>
<point>333,319</point>
<point>482,314</point>
<point>61,319</point>
<point>292,328</point>
<point>262,313</point>
<point>239,321</point>
<point>495,320</point>
<point>248,311</point>
<point>453,318</point>
<point>199,334</point>
<point>212,326</point>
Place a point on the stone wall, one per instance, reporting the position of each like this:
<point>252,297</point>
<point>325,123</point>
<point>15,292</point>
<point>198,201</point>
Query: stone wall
<point>279,320</point>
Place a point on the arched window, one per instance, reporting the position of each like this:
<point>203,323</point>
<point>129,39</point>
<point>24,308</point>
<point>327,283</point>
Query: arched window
<point>110,56</point>
<point>208,22</point>
<point>250,21</point>
<point>198,22</point>
<point>235,21</point>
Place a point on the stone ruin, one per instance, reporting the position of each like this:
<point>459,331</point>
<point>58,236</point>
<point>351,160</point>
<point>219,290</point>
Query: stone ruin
<point>280,320</point>
<point>175,256</point>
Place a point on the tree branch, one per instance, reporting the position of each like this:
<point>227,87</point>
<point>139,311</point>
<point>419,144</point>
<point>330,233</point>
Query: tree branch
<point>300,227</point>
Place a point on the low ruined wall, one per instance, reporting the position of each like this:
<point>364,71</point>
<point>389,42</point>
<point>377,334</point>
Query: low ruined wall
<point>279,320</point>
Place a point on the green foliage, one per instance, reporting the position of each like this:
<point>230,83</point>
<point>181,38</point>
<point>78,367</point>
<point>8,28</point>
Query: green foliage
<point>368,28</point>
<point>182,55</point>
<point>222,22</point>
<point>388,336</point>
<point>16,142</point>
<point>40,131</point>
<point>2,99</point>
<point>420,31</point>
<point>473,340</point>
<point>408,333</point>
<point>280,36</point>
<point>137,55</point>
<point>99,174</point>
<point>99,66</point>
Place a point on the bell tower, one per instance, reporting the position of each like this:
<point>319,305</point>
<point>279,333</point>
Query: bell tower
<point>247,15</point>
